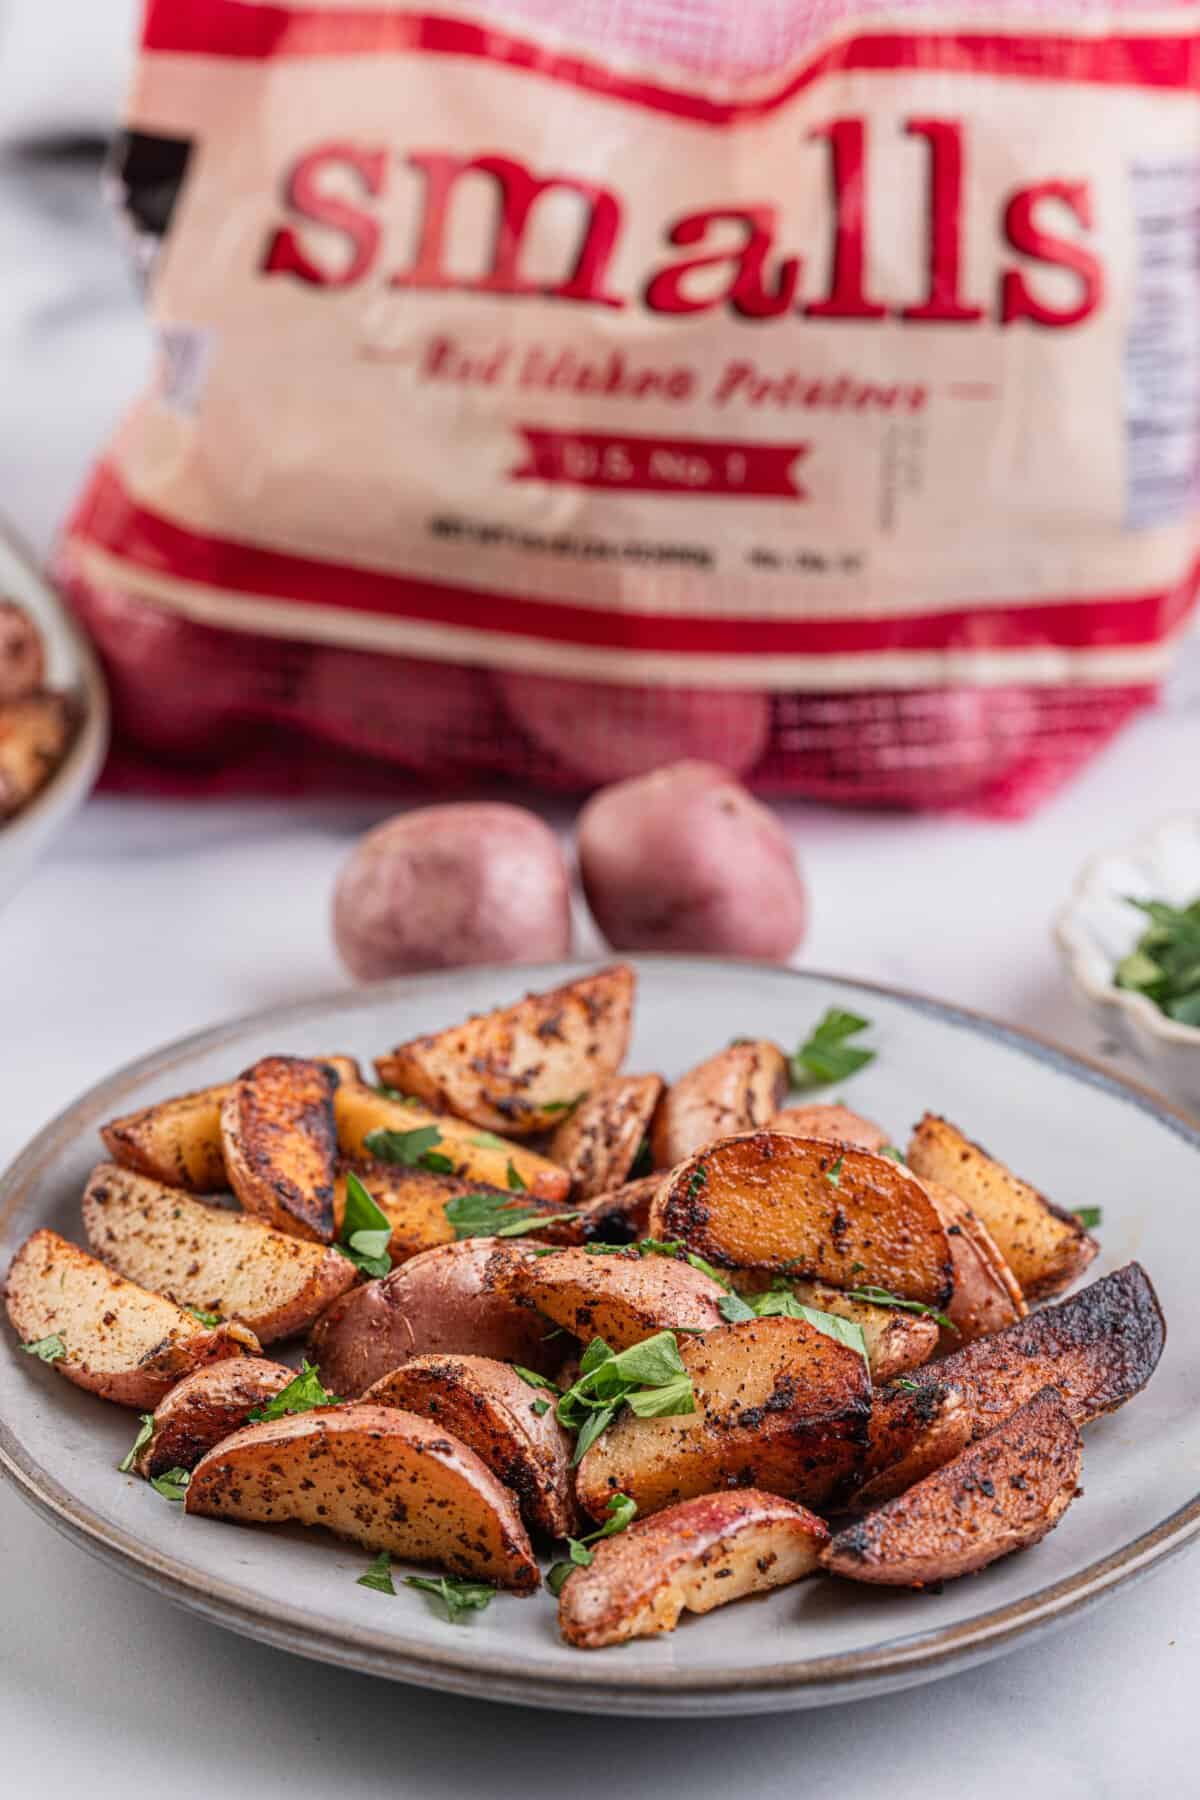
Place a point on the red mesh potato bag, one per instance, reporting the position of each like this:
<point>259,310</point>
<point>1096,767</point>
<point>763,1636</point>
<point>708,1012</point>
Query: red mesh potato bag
<point>557,389</point>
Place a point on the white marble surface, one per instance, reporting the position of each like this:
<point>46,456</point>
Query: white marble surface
<point>150,921</point>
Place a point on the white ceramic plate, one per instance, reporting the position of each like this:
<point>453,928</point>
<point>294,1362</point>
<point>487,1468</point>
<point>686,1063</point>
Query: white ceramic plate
<point>1080,1134</point>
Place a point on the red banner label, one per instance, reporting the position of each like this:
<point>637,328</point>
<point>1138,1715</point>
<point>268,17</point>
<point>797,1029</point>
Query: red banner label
<point>652,465</point>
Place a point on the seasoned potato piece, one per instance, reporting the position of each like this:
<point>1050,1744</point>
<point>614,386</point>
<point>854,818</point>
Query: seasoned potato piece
<point>177,1142</point>
<point>507,1423</point>
<point>770,1201</point>
<point>479,1157</point>
<point>834,1124</point>
<point>779,1405</point>
<point>204,1256</point>
<point>440,1301</point>
<point>515,1069</point>
<point>22,657</point>
<point>690,1558</point>
<point>895,1340</point>
<point>1045,1247</point>
<point>280,1144</point>
<point>985,1295</point>
<point>1003,1493</point>
<point>380,1477</point>
<point>598,1142</point>
<point>621,1216</point>
<point>35,734</point>
<point>621,1298</point>
<point>1098,1348</point>
<point>119,1341</point>
<point>736,1090</point>
<point>910,1435</point>
<point>205,1407</point>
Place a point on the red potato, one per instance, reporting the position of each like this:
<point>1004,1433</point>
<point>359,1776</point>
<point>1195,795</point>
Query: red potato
<point>686,859</point>
<point>605,731</point>
<point>834,1124</point>
<point>403,709</point>
<point>22,661</point>
<point>444,886</point>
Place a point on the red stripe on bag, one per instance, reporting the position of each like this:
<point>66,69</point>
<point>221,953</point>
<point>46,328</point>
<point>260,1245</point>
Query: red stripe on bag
<point>232,29</point>
<point>109,518</point>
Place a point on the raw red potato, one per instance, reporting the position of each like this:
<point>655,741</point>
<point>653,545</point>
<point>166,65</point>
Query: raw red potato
<point>432,715</point>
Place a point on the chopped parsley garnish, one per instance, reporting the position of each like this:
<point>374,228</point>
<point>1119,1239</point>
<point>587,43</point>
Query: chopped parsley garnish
<point>621,1512</point>
<point>531,1378</point>
<point>649,1378</point>
<point>48,1349</point>
<point>643,1162</point>
<point>825,1056</point>
<point>366,1230</point>
<point>833,1173</point>
<point>877,1296</point>
<point>910,1387</point>
<point>144,1433</point>
<point>487,1140</point>
<point>210,1319</point>
<point>539,1408</point>
<point>390,1093</point>
<point>1165,965</point>
<point>1090,1216</point>
<point>459,1597</point>
<point>513,1177</point>
<point>894,1155</point>
<point>411,1149</point>
<point>300,1395</point>
<point>173,1485</point>
<point>561,1106</point>
<point>379,1575</point>
<point>494,1215</point>
<point>779,1301</point>
<point>696,1180</point>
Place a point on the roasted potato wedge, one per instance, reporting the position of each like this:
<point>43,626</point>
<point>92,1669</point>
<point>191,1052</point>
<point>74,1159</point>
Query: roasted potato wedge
<point>911,1433</point>
<point>380,1477</point>
<point>1003,1493</point>
<point>280,1144</point>
<point>517,1068</point>
<point>598,1142</point>
<point>895,1340</point>
<point>832,1124</point>
<point>737,1090</point>
<point>206,1407</point>
<point>1098,1349</point>
<point>119,1341</point>
<point>479,1157</point>
<point>796,1205</point>
<point>205,1256</point>
<point>985,1295</point>
<point>779,1405</point>
<point>35,734</point>
<point>691,1558</point>
<point>441,1301</point>
<point>177,1142</point>
<point>507,1423</point>
<point>22,653</point>
<point>621,1216</point>
<point>414,1200</point>
<point>1045,1247</point>
<point>622,1297</point>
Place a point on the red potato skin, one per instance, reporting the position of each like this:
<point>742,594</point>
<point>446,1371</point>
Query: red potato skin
<point>449,886</point>
<point>206,1407</point>
<point>22,662</point>
<point>835,1124</point>
<point>402,709</point>
<point>685,859</point>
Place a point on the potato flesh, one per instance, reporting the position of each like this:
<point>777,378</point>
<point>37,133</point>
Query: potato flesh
<point>985,1296</point>
<point>35,733</point>
<point>622,1298</point>
<point>280,1144</point>
<point>205,1408</point>
<point>736,1090</point>
<point>359,1110</point>
<point>177,1142</point>
<point>598,1143</point>
<point>909,1436</point>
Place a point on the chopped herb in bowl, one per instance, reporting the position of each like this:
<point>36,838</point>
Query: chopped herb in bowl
<point>1165,963</point>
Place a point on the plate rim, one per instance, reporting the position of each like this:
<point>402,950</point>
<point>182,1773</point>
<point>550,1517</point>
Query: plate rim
<point>779,1686</point>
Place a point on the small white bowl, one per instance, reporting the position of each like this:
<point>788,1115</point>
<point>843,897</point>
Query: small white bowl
<point>1097,927</point>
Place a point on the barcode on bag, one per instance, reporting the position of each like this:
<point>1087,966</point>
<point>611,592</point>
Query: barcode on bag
<point>1162,351</point>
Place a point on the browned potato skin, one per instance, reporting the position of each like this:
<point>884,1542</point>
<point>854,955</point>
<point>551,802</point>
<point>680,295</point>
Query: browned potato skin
<point>736,1090</point>
<point>690,1558</point>
<point>488,1407</point>
<point>622,1215</point>
<point>441,1301</point>
<point>280,1144</point>
<point>177,1142</point>
<point>206,1407</point>
<point>1045,1247</point>
<point>622,1298</point>
<point>121,1342</point>
<point>836,1124</point>
<point>767,1201</point>
<point>985,1297</point>
<point>205,1256</point>
<point>896,1341</point>
<point>598,1143</point>
<point>1098,1349</point>
<point>1003,1493</point>
<point>510,1070</point>
<point>380,1477</point>
<point>22,659</point>
<point>35,734</point>
<point>779,1405</point>
<point>910,1435</point>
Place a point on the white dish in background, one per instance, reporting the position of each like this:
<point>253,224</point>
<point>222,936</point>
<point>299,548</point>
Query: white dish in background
<point>71,666</point>
<point>1097,927</point>
<point>1081,1134</point>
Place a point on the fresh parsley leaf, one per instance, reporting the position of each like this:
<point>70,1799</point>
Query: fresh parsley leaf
<point>459,1597</point>
<point>488,1140</point>
<point>1089,1216</point>
<point>514,1178</point>
<point>531,1378</point>
<point>734,1309</point>
<point>495,1215</point>
<point>877,1296</point>
<point>696,1180</point>
<point>825,1056</point>
<point>173,1485</point>
<point>780,1301</point>
<point>536,1221</point>
<point>664,1401</point>
<point>48,1349</point>
<point>437,1164</point>
<point>379,1575</point>
<point>556,1576</point>
<point>621,1512</point>
<point>210,1319</point>
<point>408,1148</point>
<point>366,1230</point>
<point>650,1377</point>
<point>894,1155</point>
<point>833,1173</point>
<point>390,1093</point>
<point>643,1162</point>
<point>910,1387</point>
<point>539,1408</point>
<point>1164,966</point>
<point>561,1106</point>
<point>300,1395</point>
<point>676,1248</point>
<point>590,1430</point>
<point>144,1433</point>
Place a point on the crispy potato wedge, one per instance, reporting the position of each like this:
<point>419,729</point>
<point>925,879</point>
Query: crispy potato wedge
<point>796,1205</point>
<point>985,1294</point>
<point>515,1069</point>
<point>834,1124</point>
<point>507,1423</point>
<point>737,1090</point>
<point>177,1142</point>
<point>280,1144</point>
<point>691,1558</point>
<point>220,1261</point>
<point>619,1217</point>
<point>206,1407</point>
<point>598,1142</point>
<point>35,734</point>
<point>120,1341</point>
<point>895,1340</point>
<point>911,1433</point>
<point>441,1301</point>
<point>479,1157</point>
<point>621,1298</point>
<point>1045,1247</point>
<point>1098,1348</point>
<point>380,1477</point>
<point>779,1405</point>
<point>414,1200</point>
<point>1003,1493</point>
